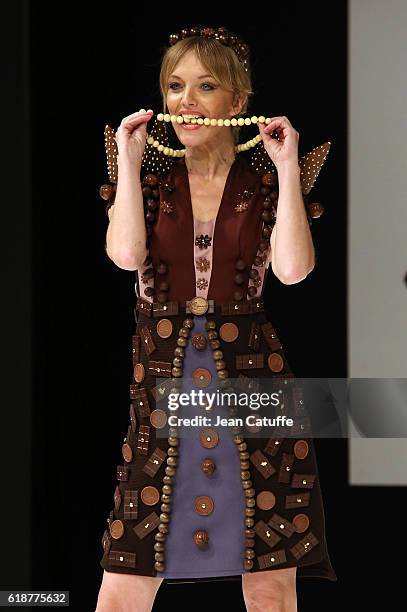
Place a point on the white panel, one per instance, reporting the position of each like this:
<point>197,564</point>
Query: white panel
<point>377,260</point>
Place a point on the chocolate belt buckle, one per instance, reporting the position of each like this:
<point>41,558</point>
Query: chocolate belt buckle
<point>199,305</point>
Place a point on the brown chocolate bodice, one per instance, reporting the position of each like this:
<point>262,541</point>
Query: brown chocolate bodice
<point>236,235</point>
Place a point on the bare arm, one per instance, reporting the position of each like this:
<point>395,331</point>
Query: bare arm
<point>126,233</point>
<point>292,248</point>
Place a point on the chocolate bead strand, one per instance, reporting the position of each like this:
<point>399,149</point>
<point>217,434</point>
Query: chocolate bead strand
<point>269,189</point>
<point>168,479</point>
<point>239,279</point>
<point>151,197</point>
<point>173,450</point>
<point>163,287</point>
<point>179,351</point>
<point>249,493</point>
<point>214,342</point>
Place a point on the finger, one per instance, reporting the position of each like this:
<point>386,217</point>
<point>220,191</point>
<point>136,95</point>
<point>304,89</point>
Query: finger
<point>136,115</point>
<point>275,123</point>
<point>281,118</point>
<point>264,128</point>
<point>280,121</point>
<point>264,131</point>
<point>134,122</point>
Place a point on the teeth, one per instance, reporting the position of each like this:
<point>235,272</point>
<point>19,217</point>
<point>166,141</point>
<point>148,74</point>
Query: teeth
<point>191,118</point>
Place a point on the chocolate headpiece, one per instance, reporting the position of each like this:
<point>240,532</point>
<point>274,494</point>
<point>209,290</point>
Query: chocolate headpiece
<point>224,36</point>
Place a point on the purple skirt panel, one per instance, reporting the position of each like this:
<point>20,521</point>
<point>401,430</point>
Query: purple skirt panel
<point>224,554</point>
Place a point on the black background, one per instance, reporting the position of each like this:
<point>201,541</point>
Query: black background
<point>70,68</point>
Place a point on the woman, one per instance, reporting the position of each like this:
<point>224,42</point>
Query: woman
<point>208,503</point>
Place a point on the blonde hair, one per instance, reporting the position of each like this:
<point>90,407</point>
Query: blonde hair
<point>219,60</point>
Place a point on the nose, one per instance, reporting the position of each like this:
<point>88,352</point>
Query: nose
<point>187,98</point>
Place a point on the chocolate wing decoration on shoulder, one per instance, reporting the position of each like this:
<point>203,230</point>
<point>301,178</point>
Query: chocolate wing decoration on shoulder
<point>107,191</point>
<point>310,165</point>
<point>154,161</point>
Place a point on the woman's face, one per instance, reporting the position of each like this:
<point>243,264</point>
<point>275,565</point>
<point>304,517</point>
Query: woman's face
<point>190,90</point>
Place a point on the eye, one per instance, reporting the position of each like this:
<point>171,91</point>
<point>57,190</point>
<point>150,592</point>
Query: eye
<point>170,86</point>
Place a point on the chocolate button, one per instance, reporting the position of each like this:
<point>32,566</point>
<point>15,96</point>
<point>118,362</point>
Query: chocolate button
<point>202,377</point>
<point>116,529</point>
<point>253,428</point>
<point>150,496</point>
<point>205,406</point>
<point>315,209</point>
<point>208,466</point>
<point>164,328</point>
<point>266,500</point>
<point>301,449</point>
<point>139,372</point>
<point>229,332</point>
<point>158,418</point>
<point>204,505</point>
<point>201,538</point>
<point>198,305</point>
<point>198,341</point>
<point>127,452</point>
<point>209,438</point>
<point>275,362</point>
<point>300,522</point>
<point>106,191</point>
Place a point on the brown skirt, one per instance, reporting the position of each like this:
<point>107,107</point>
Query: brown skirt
<point>282,515</point>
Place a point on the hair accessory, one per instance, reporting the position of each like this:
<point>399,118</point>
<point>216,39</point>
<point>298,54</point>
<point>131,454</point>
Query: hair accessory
<point>224,36</point>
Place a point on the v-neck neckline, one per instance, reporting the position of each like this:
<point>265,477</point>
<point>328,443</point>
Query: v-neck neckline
<point>226,188</point>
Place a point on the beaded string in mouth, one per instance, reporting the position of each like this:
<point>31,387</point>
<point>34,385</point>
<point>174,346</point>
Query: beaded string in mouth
<point>159,158</point>
<point>208,122</point>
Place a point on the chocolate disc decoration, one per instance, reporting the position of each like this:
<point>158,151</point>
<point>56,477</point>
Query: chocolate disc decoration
<point>301,449</point>
<point>164,328</point>
<point>139,372</point>
<point>275,362</point>
<point>150,496</point>
<point>117,529</point>
<point>266,500</point>
<point>229,332</point>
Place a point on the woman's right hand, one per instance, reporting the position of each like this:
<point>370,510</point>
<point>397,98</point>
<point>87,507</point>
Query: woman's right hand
<point>131,137</point>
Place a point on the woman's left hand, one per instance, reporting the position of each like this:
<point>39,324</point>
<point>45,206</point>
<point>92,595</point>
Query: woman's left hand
<point>285,149</point>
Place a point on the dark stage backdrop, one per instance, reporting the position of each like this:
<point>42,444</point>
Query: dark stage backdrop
<point>90,64</point>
